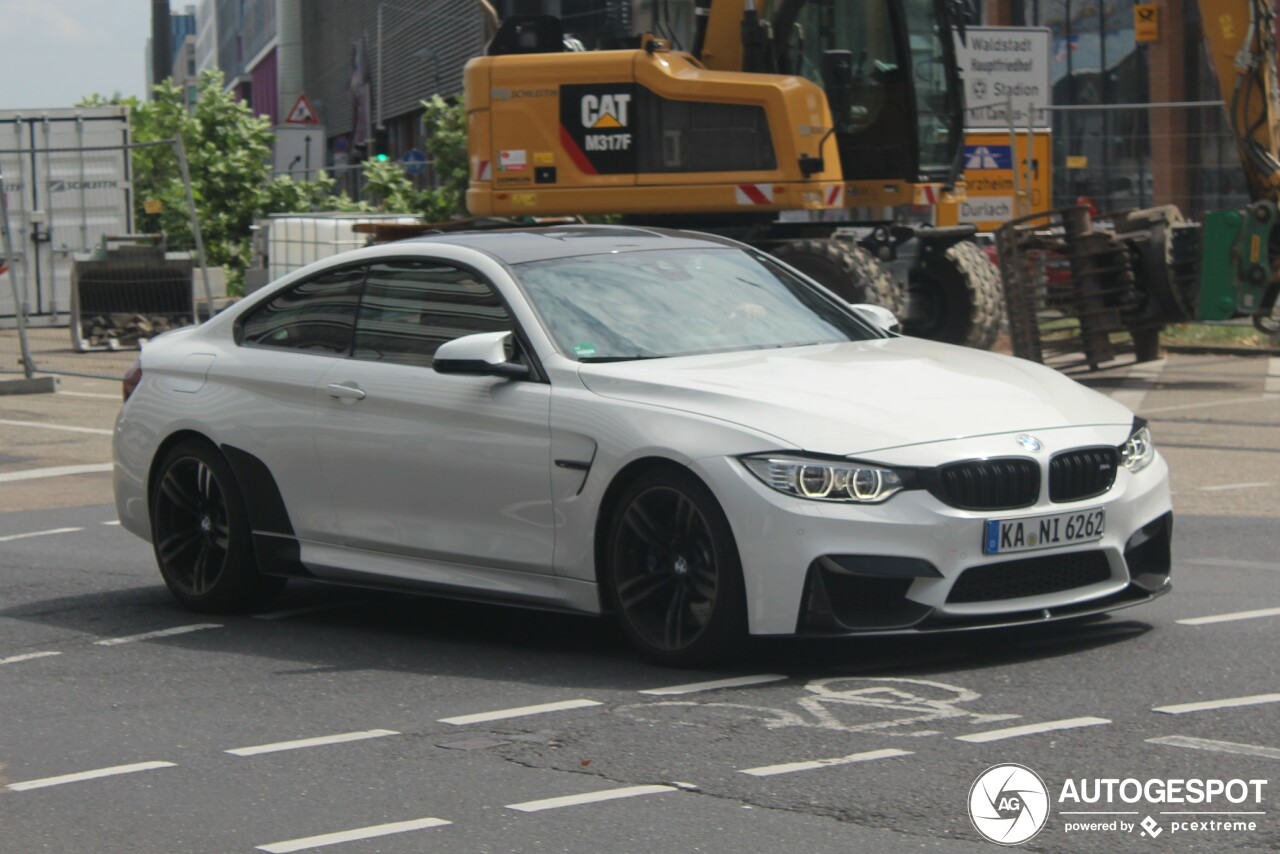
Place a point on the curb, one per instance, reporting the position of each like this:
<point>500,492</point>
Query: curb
<point>36,385</point>
<point>1219,350</point>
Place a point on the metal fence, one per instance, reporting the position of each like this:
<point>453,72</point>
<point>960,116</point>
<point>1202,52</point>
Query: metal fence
<point>349,179</point>
<point>80,290</point>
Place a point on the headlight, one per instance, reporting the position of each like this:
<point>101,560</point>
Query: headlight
<point>1137,453</point>
<point>825,480</point>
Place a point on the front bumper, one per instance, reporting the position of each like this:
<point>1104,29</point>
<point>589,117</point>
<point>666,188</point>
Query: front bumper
<point>897,567</point>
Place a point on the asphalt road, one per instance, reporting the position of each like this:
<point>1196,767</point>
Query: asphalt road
<point>456,727</point>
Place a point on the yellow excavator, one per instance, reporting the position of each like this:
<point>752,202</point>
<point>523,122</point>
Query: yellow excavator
<point>1072,282</point>
<point>770,121</point>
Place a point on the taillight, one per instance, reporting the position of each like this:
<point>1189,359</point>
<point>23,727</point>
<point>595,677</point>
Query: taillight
<point>132,377</point>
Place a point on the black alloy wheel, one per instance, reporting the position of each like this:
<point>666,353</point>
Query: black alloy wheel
<point>673,571</point>
<point>201,533</point>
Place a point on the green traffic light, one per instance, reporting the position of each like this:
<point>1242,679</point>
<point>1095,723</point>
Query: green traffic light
<point>382,158</point>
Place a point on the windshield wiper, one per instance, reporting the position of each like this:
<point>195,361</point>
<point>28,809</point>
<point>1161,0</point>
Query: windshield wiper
<point>597,360</point>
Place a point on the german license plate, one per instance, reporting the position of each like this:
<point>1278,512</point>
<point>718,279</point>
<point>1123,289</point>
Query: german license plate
<point>1004,536</point>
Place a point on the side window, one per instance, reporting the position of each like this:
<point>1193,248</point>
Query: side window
<point>412,307</point>
<point>317,316</point>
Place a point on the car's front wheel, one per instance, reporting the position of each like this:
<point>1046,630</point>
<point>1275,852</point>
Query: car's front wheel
<point>201,535</point>
<point>672,571</point>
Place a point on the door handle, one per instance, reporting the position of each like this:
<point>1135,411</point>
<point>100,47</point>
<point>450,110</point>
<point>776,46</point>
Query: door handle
<point>346,392</point>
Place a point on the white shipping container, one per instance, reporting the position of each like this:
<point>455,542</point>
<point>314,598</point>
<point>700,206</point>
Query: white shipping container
<point>68,184</point>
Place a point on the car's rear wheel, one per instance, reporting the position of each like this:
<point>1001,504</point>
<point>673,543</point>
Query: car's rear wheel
<point>673,573</point>
<point>201,534</point>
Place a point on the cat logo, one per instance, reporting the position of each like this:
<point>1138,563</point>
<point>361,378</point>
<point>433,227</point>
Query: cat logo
<point>605,112</point>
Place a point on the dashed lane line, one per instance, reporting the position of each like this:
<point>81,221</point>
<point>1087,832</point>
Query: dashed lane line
<point>370,832</point>
<point>1208,404</point>
<point>1030,729</point>
<point>519,712</point>
<point>53,471</point>
<point>1227,618</point>
<point>14,659</point>
<point>112,522</point>
<point>48,533</point>
<point>88,775</point>
<point>42,425</point>
<point>115,397</point>
<point>812,764</point>
<point>590,798</point>
<point>318,741</point>
<point>1227,563</point>
<point>1271,388</point>
<point>1228,487</point>
<point>1228,703</point>
<point>1217,746</point>
<point>734,682</point>
<point>159,633</point>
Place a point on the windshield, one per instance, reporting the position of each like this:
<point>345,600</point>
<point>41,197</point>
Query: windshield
<point>638,305</point>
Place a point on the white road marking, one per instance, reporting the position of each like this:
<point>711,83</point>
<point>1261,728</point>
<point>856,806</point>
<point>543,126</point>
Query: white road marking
<point>1227,618</point>
<point>369,832</point>
<point>14,659</point>
<point>1131,392</point>
<point>115,397</point>
<point>503,714</point>
<point>160,633</point>
<point>112,522</point>
<point>311,742</point>
<point>293,612</point>
<point>1271,387</point>
<point>46,426</point>
<point>694,687</point>
<point>1217,746</point>
<point>53,471</point>
<point>1030,729</point>
<point>1229,703</point>
<point>1208,404</point>
<point>1226,563</point>
<point>788,767</point>
<point>1226,487</point>
<point>89,775</point>
<point>47,533</point>
<point>590,798</point>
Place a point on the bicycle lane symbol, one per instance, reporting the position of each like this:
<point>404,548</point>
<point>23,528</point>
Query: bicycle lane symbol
<point>895,706</point>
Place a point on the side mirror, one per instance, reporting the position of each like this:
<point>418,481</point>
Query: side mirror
<point>483,353</point>
<point>878,316</point>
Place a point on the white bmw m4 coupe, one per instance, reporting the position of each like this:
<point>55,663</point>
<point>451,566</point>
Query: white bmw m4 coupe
<point>672,428</point>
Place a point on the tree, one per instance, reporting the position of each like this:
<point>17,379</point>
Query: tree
<point>446,143</point>
<point>229,159</point>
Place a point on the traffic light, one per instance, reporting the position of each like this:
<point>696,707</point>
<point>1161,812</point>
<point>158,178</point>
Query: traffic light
<point>380,145</point>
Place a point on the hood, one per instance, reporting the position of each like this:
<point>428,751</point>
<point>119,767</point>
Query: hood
<point>861,396</point>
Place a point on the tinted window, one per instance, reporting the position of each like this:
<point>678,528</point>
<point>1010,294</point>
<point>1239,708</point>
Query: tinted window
<point>412,307</point>
<point>317,315</point>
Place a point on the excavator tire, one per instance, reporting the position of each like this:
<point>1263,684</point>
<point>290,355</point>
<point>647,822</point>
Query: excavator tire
<point>847,269</point>
<point>958,300</point>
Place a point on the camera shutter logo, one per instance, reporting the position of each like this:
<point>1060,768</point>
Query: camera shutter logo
<point>1008,804</point>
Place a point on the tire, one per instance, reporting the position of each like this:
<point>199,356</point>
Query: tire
<point>958,300</point>
<point>672,572</point>
<point>846,269</point>
<point>201,535</point>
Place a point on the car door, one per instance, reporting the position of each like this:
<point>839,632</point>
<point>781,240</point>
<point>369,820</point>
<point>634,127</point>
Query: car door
<point>441,467</point>
<point>285,346</point>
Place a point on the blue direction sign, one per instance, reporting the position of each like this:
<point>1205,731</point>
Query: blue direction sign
<point>415,162</point>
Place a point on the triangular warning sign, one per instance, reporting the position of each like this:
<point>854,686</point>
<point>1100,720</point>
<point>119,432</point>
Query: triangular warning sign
<point>607,121</point>
<point>302,113</point>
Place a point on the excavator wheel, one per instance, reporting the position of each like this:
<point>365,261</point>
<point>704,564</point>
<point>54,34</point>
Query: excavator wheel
<point>847,269</point>
<point>957,299</point>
